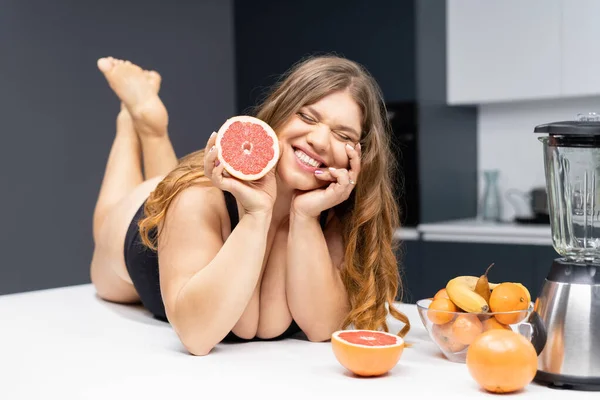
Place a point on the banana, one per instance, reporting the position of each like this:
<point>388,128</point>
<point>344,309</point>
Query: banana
<point>471,282</point>
<point>461,292</point>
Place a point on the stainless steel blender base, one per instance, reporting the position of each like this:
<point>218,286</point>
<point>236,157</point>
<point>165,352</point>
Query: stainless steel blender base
<point>567,382</point>
<point>569,309</point>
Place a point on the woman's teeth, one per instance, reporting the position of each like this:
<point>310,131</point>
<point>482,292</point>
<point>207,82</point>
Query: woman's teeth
<point>302,156</point>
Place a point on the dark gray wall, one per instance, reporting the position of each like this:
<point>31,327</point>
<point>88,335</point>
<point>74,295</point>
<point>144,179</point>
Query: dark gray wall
<point>447,135</point>
<point>58,115</point>
<point>271,35</point>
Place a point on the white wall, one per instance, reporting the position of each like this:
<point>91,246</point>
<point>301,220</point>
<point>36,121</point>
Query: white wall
<point>506,142</point>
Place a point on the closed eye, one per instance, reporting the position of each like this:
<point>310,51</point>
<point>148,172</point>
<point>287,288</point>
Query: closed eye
<point>306,118</point>
<point>343,137</point>
<point>310,120</point>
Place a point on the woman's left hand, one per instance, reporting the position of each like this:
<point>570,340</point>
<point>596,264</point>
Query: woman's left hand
<point>342,180</point>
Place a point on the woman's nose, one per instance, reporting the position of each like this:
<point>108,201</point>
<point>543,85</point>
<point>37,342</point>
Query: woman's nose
<point>319,137</point>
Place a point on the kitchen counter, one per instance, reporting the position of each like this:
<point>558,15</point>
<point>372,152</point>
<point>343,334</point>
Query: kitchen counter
<point>478,231</point>
<point>68,344</point>
<point>407,233</point>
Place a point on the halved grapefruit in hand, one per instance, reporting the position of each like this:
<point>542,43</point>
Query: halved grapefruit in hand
<point>247,147</point>
<point>366,352</point>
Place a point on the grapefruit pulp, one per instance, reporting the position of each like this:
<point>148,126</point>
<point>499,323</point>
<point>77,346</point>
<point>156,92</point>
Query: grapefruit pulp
<point>247,147</point>
<point>367,352</point>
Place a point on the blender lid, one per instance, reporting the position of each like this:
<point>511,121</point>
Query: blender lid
<point>585,125</point>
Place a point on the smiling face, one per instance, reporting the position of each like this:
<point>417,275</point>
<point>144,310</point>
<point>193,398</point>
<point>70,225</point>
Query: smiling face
<point>315,137</point>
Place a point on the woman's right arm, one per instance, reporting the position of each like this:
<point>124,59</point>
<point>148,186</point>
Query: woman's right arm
<point>207,284</point>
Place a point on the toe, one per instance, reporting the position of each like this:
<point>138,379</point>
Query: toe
<point>154,78</point>
<point>105,64</point>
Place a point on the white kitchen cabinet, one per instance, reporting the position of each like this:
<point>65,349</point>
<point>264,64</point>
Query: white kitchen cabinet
<point>580,47</point>
<point>503,50</point>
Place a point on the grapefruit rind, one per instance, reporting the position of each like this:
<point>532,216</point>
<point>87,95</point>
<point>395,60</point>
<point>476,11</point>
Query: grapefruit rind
<point>364,360</point>
<point>232,171</point>
<point>399,340</point>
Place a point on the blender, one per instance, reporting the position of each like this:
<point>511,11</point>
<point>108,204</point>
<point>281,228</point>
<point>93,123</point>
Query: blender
<point>569,302</point>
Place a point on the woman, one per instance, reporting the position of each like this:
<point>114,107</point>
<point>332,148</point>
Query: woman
<point>306,248</point>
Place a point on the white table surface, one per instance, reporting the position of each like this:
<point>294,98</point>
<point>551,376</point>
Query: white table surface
<point>68,344</point>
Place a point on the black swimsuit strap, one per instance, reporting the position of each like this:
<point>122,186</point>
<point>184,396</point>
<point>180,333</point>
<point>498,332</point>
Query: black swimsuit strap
<point>234,216</point>
<point>323,219</point>
<point>232,209</point>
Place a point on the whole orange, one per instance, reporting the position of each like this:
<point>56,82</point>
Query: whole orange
<point>509,297</point>
<point>444,338</point>
<point>466,328</point>
<point>492,323</point>
<point>441,294</point>
<point>502,361</point>
<point>441,311</point>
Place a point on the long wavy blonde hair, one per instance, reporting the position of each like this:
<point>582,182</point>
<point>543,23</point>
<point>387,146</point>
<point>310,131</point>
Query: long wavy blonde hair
<point>369,217</point>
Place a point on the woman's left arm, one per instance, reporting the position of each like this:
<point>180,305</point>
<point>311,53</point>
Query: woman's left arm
<point>315,292</point>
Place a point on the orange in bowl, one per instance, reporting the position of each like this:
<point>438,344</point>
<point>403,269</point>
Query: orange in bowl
<point>492,323</point>
<point>454,331</point>
<point>442,310</point>
<point>367,352</point>
<point>441,294</point>
<point>507,298</point>
<point>466,328</point>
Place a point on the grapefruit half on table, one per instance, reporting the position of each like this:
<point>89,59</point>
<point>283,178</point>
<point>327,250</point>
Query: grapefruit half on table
<point>248,147</point>
<point>367,352</point>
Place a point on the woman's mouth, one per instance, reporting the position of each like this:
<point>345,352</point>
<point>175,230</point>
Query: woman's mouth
<point>306,160</point>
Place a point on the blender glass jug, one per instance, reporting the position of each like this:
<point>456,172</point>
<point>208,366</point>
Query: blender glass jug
<point>568,305</point>
<point>572,167</point>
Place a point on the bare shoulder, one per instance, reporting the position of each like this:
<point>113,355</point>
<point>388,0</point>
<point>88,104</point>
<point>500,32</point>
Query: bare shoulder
<point>195,204</point>
<point>197,197</point>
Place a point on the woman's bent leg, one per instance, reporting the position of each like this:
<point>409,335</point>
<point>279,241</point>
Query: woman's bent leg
<point>140,140</point>
<point>123,174</point>
<point>123,171</point>
<point>108,270</point>
<point>138,90</point>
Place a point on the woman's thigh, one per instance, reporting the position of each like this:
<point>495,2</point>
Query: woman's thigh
<point>108,270</point>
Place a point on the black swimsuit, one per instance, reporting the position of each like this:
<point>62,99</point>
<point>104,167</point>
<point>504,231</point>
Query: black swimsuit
<point>142,265</point>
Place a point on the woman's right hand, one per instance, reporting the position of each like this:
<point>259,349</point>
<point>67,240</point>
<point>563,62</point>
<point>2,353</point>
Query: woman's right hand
<point>255,196</point>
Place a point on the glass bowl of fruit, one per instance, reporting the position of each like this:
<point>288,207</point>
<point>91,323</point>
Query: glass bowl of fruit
<point>458,313</point>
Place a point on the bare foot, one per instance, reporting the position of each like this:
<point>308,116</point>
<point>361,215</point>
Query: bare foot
<point>138,91</point>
